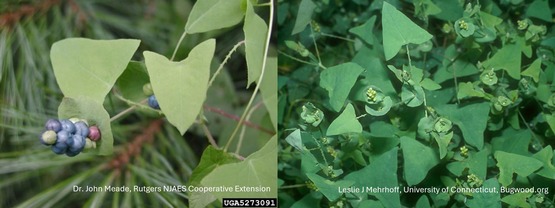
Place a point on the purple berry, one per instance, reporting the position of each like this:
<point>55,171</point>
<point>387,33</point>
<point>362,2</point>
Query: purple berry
<point>53,124</point>
<point>153,103</point>
<point>65,137</point>
<point>78,143</point>
<point>68,126</point>
<point>94,133</point>
<point>82,129</point>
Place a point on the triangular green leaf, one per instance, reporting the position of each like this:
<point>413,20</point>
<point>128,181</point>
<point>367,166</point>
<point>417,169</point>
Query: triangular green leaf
<point>89,68</point>
<point>518,199</point>
<point>369,176</point>
<point>471,119</point>
<point>539,9</point>
<point>345,123</point>
<point>95,114</point>
<point>546,156</point>
<point>418,160</point>
<point>399,30</point>
<point>329,188</point>
<point>507,58</point>
<point>304,16</point>
<point>255,30</point>
<point>534,70</point>
<point>180,87</point>
<point>209,15</point>
<point>338,81</point>
<point>257,170</point>
<point>364,31</point>
<point>510,163</point>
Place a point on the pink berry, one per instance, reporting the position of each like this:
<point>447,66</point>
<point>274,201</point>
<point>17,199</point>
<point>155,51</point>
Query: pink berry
<point>94,133</point>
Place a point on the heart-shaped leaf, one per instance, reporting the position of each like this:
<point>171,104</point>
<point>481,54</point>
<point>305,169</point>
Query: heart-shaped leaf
<point>180,87</point>
<point>399,30</point>
<point>89,68</point>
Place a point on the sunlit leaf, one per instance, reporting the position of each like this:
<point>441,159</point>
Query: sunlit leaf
<point>255,30</point>
<point>508,59</point>
<point>89,68</point>
<point>533,70</point>
<point>180,87</point>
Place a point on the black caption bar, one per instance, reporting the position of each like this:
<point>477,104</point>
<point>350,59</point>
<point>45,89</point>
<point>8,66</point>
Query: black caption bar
<point>247,202</point>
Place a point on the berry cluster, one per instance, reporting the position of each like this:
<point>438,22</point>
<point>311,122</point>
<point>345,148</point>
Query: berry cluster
<point>69,136</point>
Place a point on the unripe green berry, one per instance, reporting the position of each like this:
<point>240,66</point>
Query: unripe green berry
<point>147,89</point>
<point>49,137</point>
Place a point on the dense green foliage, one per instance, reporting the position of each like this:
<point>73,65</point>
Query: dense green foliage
<point>416,94</point>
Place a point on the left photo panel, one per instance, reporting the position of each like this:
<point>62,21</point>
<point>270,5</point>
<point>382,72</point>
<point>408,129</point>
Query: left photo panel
<point>153,103</point>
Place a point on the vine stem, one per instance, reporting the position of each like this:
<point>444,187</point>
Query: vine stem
<point>178,44</point>
<point>224,62</point>
<point>264,61</point>
<point>209,135</point>
<point>242,135</point>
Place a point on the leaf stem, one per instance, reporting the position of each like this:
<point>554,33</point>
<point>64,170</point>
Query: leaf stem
<point>264,61</point>
<point>178,44</point>
<point>410,67</point>
<point>224,62</point>
<point>315,46</point>
<point>120,114</point>
<point>292,186</point>
<point>296,59</point>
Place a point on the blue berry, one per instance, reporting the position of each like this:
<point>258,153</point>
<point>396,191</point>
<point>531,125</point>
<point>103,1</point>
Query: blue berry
<point>53,124</point>
<point>82,129</point>
<point>70,153</point>
<point>59,148</point>
<point>68,126</point>
<point>153,103</point>
<point>48,137</point>
<point>78,143</point>
<point>65,137</point>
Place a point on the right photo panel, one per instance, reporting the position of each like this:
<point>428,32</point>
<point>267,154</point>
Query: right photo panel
<point>416,103</point>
